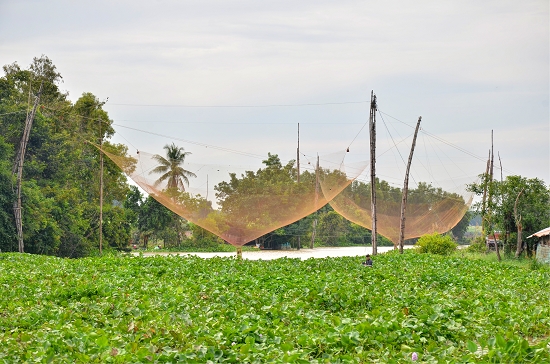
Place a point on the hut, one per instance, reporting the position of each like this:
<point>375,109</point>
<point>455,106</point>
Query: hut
<point>543,248</point>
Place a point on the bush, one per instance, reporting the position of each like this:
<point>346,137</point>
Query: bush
<point>436,244</point>
<point>477,245</point>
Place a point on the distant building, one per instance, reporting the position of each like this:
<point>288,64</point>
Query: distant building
<point>543,248</point>
<point>492,239</point>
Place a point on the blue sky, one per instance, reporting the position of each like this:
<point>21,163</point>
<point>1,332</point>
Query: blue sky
<point>467,67</point>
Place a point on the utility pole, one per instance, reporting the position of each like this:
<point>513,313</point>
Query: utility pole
<point>372,128</point>
<point>484,201</point>
<point>18,168</point>
<point>298,154</point>
<point>100,190</point>
<point>298,167</point>
<point>490,198</point>
<point>406,190</point>
<point>316,202</point>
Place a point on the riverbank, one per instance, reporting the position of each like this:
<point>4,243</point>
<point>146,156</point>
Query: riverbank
<point>324,252</point>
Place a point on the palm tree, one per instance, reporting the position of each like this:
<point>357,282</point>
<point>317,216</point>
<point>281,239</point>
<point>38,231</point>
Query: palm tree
<point>171,167</point>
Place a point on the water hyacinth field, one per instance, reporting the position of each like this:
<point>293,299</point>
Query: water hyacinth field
<point>122,309</point>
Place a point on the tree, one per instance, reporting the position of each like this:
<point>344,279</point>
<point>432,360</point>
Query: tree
<point>60,191</point>
<point>520,207</point>
<point>7,225</point>
<point>332,227</point>
<point>153,219</point>
<point>172,169</point>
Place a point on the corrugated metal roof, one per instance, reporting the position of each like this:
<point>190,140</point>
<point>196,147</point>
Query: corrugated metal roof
<point>543,232</point>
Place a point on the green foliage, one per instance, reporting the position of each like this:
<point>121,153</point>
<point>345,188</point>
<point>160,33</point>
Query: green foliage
<point>60,191</point>
<point>436,244</point>
<point>477,245</point>
<point>171,168</point>
<point>332,227</point>
<point>187,309</point>
<point>460,229</point>
<point>533,206</point>
<point>7,226</point>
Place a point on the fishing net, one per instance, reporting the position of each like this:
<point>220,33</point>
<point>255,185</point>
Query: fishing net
<point>429,209</point>
<point>243,206</point>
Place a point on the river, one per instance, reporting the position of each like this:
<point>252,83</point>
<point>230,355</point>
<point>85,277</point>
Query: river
<point>323,252</point>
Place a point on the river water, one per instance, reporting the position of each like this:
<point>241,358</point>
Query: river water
<point>324,252</point>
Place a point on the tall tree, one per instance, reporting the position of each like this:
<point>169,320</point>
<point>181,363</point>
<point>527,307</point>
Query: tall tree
<point>172,169</point>
<point>60,188</point>
<point>520,208</point>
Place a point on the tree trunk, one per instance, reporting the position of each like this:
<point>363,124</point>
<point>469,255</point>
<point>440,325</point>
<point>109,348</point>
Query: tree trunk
<point>517,217</point>
<point>496,246</point>
<point>18,168</point>
<point>239,253</point>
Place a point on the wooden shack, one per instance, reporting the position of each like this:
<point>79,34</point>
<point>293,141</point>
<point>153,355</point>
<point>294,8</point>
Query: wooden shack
<point>543,247</point>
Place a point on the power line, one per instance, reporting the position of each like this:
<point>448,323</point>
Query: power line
<point>192,142</point>
<point>242,106</point>
<point>234,123</point>
<point>443,141</point>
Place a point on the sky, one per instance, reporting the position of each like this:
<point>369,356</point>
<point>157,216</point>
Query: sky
<point>230,80</point>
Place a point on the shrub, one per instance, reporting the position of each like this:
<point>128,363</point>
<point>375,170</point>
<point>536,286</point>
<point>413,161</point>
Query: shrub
<point>436,244</point>
<point>477,245</point>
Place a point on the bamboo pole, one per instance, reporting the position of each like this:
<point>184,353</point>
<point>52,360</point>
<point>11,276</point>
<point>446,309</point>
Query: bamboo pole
<point>100,190</point>
<point>316,202</point>
<point>372,128</point>
<point>406,190</point>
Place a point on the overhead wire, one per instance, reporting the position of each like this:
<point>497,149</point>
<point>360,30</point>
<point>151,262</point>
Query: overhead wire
<point>395,145</point>
<point>241,106</point>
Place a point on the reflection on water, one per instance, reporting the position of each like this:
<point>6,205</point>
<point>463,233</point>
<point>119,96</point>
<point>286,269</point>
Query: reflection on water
<point>302,253</point>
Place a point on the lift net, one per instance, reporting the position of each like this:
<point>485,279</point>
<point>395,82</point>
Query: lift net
<point>245,205</point>
<point>428,210</point>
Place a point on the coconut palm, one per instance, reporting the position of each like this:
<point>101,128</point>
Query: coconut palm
<point>171,167</point>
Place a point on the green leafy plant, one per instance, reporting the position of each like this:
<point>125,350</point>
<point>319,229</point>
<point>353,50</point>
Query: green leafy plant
<point>186,309</point>
<point>436,244</point>
<point>477,245</point>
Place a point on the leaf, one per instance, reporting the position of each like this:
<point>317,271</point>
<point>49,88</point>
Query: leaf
<point>500,341</point>
<point>472,346</point>
<point>102,341</point>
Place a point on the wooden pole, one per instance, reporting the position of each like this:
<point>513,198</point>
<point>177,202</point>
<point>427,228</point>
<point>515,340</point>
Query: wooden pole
<point>18,168</point>
<point>316,202</point>
<point>490,198</point>
<point>406,190</point>
<point>100,190</point>
<point>372,128</point>
<point>298,154</point>
<point>484,201</point>
<point>298,176</point>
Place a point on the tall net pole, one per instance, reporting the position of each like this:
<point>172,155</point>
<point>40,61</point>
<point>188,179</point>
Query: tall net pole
<point>298,179</point>
<point>406,190</point>
<point>100,190</point>
<point>372,128</point>
<point>316,203</point>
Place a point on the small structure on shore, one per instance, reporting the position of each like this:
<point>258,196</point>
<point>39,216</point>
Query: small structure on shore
<point>543,248</point>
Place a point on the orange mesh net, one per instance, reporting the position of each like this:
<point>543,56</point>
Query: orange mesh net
<point>246,206</point>
<point>428,209</point>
